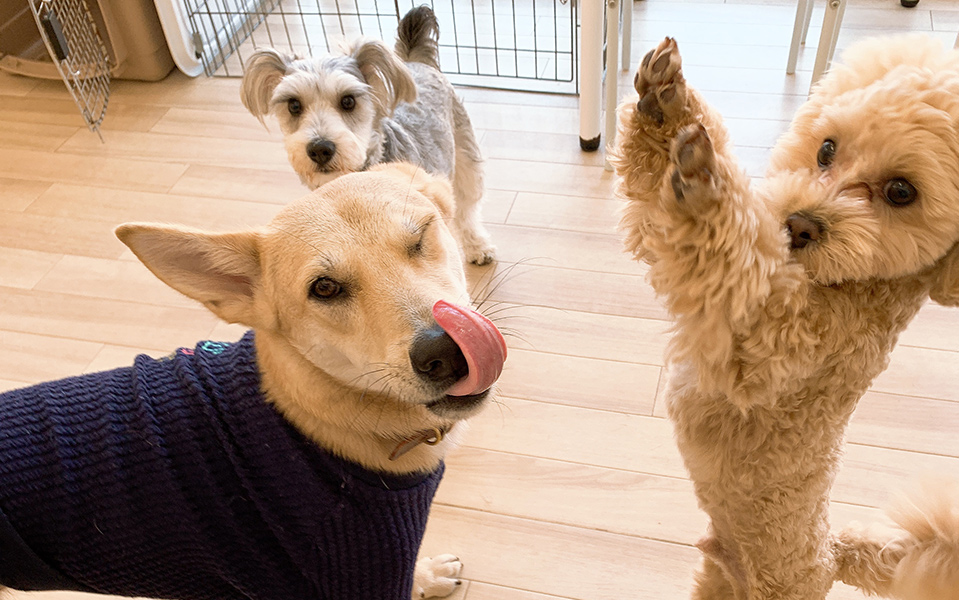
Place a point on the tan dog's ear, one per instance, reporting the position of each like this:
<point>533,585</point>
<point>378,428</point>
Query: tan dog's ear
<point>391,81</point>
<point>262,74</point>
<point>945,283</point>
<point>221,270</point>
<point>436,188</point>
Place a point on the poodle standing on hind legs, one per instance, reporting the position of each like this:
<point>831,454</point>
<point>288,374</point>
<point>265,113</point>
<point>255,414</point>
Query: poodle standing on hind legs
<point>788,298</point>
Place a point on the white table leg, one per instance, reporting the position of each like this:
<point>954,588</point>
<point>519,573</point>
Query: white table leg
<point>590,73</point>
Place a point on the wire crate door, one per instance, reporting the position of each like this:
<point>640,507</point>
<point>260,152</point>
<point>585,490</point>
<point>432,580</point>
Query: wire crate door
<point>81,58</point>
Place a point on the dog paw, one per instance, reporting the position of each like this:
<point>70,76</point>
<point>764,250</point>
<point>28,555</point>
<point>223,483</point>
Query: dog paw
<point>693,179</point>
<point>436,577</point>
<point>481,256</point>
<point>660,83</point>
<point>477,249</point>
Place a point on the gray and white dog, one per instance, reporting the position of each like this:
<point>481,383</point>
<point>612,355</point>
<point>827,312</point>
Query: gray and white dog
<point>343,113</point>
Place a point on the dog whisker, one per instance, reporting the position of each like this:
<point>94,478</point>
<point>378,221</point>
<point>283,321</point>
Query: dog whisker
<point>512,333</point>
<point>497,281</point>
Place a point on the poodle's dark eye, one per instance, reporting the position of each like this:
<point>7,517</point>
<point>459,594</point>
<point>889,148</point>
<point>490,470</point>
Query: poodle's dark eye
<point>827,153</point>
<point>293,105</point>
<point>900,192</point>
<point>325,288</point>
<point>348,103</point>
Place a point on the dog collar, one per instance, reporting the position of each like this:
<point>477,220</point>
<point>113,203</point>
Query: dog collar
<point>430,437</point>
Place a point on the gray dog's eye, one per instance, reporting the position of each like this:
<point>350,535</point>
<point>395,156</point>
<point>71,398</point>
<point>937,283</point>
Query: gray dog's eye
<point>294,106</point>
<point>827,153</point>
<point>325,288</point>
<point>899,192</point>
<point>348,103</point>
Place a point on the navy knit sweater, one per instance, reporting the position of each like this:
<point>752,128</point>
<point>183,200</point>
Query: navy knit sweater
<point>175,479</point>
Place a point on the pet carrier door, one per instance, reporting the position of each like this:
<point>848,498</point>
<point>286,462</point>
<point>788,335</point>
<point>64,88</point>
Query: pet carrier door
<point>78,52</point>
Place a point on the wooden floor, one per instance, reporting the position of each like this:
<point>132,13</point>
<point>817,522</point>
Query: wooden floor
<point>570,485</point>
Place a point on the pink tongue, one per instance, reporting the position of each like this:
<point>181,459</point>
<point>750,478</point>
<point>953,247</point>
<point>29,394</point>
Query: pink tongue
<point>480,341</point>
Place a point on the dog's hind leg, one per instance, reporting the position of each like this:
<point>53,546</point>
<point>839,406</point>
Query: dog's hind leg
<point>918,560</point>
<point>468,190</point>
<point>712,583</point>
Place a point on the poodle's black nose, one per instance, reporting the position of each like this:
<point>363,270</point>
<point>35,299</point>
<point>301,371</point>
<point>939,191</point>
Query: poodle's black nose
<point>802,230</point>
<point>321,151</point>
<point>436,357</point>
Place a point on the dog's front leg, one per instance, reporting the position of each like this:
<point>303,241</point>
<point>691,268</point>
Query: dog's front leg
<point>722,265</point>
<point>436,576</point>
<point>647,124</point>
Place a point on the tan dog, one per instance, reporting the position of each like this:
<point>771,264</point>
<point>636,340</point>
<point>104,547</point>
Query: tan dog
<point>356,296</point>
<point>788,298</point>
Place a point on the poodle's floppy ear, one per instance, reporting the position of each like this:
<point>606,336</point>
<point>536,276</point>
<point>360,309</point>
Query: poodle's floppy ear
<point>945,282</point>
<point>436,188</point>
<point>262,74</point>
<point>221,270</point>
<point>391,81</point>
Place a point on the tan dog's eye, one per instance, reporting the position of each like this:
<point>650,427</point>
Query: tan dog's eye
<point>827,153</point>
<point>416,249</point>
<point>900,192</point>
<point>293,105</point>
<point>325,288</point>
<point>348,103</point>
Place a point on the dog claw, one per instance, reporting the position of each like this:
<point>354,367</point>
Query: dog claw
<point>695,163</point>
<point>660,83</point>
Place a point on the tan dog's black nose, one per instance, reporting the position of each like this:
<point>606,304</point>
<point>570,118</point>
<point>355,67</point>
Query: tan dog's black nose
<point>436,357</point>
<point>321,151</point>
<point>803,230</point>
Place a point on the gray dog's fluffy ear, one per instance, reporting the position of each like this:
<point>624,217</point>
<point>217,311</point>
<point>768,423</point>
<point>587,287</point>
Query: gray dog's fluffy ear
<point>945,282</point>
<point>262,74</point>
<point>391,81</point>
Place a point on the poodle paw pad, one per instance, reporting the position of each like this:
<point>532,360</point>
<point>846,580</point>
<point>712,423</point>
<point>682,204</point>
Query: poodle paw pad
<point>660,83</point>
<point>693,180</point>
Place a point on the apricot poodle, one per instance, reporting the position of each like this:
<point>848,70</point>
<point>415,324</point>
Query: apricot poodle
<point>788,296</point>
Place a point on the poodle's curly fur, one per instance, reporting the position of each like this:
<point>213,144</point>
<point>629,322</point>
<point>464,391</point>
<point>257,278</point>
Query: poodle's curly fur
<point>788,297</point>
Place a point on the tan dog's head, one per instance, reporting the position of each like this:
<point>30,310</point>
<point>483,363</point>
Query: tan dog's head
<point>867,177</point>
<point>342,290</point>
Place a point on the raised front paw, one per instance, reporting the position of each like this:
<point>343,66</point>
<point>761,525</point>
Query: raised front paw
<point>694,161</point>
<point>436,577</point>
<point>660,83</point>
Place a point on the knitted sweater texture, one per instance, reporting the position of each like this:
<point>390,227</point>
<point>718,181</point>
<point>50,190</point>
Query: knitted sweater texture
<point>175,479</point>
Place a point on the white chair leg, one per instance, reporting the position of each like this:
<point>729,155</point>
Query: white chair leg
<point>612,71</point>
<point>799,34</point>
<point>827,41</point>
<point>957,41</point>
<point>806,19</point>
<point>627,12</point>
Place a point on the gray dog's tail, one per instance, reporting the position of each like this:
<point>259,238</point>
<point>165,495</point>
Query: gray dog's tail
<point>417,37</point>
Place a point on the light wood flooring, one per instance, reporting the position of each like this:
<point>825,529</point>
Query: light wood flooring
<point>570,485</point>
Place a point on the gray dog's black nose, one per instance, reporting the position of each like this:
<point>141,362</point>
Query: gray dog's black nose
<point>436,357</point>
<point>802,230</point>
<point>321,151</point>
